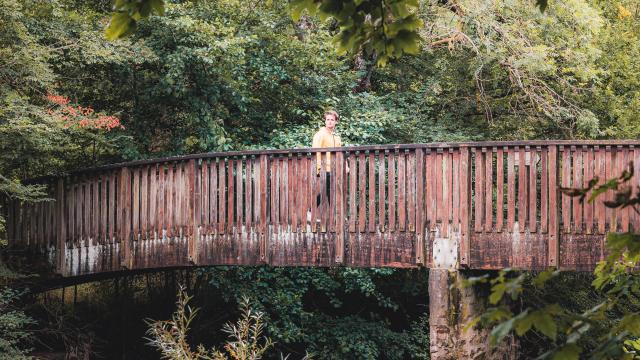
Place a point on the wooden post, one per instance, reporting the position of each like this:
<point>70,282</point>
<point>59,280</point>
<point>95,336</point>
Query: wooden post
<point>554,208</point>
<point>61,230</point>
<point>340,206</point>
<point>124,217</point>
<point>195,208</point>
<point>465,207</point>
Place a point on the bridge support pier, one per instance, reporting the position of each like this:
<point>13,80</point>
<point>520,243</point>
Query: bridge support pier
<point>451,308</point>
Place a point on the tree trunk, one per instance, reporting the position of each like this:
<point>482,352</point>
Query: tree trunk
<point>451,308</point>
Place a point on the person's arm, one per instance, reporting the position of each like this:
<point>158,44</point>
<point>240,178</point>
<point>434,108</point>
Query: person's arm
<point>317,143</point>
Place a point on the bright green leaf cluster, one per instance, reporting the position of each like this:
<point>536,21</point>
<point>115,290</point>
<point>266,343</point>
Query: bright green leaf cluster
<point>126,14</point>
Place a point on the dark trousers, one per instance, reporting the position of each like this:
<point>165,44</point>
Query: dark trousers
<point>327,189</point>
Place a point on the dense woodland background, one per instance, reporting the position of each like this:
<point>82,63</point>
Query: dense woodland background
<point>232,75</point>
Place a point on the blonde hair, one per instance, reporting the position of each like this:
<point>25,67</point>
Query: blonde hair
<point>331,112</point>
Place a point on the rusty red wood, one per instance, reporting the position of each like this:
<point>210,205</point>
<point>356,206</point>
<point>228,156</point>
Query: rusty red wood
<point>392,190</point>
<point>382,173</point>
<point>411,190</point>
<point>419,213</point>
<point>372,193</point>
<point>488,190</point>
<point>153,200</point>
<point>588,175</point>
<point>431,189</point>
<point>455,184</point>
<point>499,189</point>
<point>577,182</point>
<point>566,183</point>
<point>544,190</point>
<point>554,227</point>
<point>446,191</point>
<point>599,204</point>
<point>624,216</point>
<point>511,189</point>
<point>533,191</point>
<point>479,189</point>
<point>465,206</point>
<point>522,189</point>
<point>362,193</point>
<point>402,191</point>
<point>338,164</point>
<point>353,191</point>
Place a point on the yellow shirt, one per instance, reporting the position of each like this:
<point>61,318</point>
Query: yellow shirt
<point>322,139</point>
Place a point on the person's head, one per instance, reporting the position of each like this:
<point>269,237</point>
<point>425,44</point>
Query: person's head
<point>331,118</point>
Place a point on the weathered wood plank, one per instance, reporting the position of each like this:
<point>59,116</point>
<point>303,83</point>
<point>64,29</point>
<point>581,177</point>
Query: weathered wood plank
<point>465,206</point>
<point>566,182</point>
<point>499,189</point>
<point>608,196</point>
<point>577,182</point>
<point>599,204</point>
<point>588,175</point>
<point>339,172</point>
<point>439,206</point>
<point>411,190</point>
<point>402,192</point>
<point>554,226</point>
<point>353,191</point>
<point>479,190</point>
<point>382,173</point>
<point>533,190</point>
<point>624,216</point>
<point>544,190</point>
<point>264,182</point>
<point>431,189</point>
<point>392,190</point>
<point>362,194</point>
<point>153,200</point>
<point>488,190</point>
<point>455,183</point>
<point>511,189</point>
<point>522,189</point>
<point>372,193</point>
<point>419,213</point>
<point>446,191</point>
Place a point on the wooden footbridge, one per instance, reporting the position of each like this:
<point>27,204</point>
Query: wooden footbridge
<point>485,205</point>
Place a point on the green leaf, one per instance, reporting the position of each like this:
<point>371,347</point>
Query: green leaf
<point>120,25</point>
<point>568,352</point>
<point>543,322</point>
<point>500,331</point>
<point>497,292</point>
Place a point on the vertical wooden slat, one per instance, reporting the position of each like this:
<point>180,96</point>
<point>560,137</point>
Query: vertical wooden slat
<point>391,178</point>
<point>86,211</point>
<point>288,190</point>
<point>313,192</point>
<point>522,189</point>
<point>499,189</point>
<point>324,201</point>
<point>214,206</point>
<point>205,211</point>
<point>264,179</point>
<point>511,188</point>
<point>338,164</point>
<point>411,189</point>
<point>70,217</point>
<point>169,187</point>
<point>353,190</point>
<point>488,191</point>
<point>294,180</point>
<point>439,207</point>
<point>362,182</point>
<point>624,216</point>
<point>402,191</point>
<point>455,191</point>
<point>544,190</point>
<point>635,183</point>
<point>554,228</point>
<point>144,201</point>
<point>432,213</point>
<point>95,210</point>
<point>577,182</point>
<point>252,190</point>
<point>613,171</point>
<point>566,182</point>
<point>382,173</point>
<point>608,195</point>
<point>230,194</point>
<point>479,189</point>
<point>533,191</point>
<point>599,204</point>
<point>162,200</point>
<point>194,194</point>
<point>372,193</point>
<point>419,191</point>
<point>61,230</point>
<point>135,210</point>
<point>332,195</point>
<point>153,200</point>
<point>239,193</point>
<point>124,203</point>
<point>465,206</point>
<point>102,233</point>
<point>113,196</point>
<point>446,190</point>
<point>587,154</point>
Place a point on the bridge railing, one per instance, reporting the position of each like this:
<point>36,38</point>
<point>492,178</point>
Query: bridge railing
<point>478,205</point>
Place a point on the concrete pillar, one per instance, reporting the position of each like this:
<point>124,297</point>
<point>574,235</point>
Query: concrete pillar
<point>451,308</point>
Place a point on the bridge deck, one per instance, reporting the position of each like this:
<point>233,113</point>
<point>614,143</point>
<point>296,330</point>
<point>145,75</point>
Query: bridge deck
<point>468,205</point>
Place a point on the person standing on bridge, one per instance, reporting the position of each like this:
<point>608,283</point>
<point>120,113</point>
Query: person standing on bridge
<point>326,138</point>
